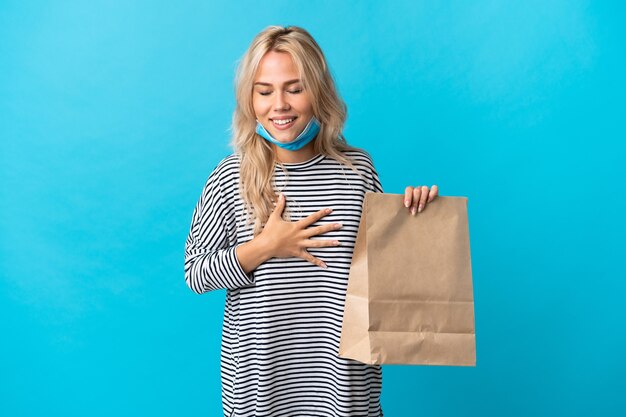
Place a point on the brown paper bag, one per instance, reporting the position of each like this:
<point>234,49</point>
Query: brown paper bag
<point>409,298</point>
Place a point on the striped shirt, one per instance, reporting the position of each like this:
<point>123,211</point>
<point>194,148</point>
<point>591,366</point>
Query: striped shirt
<point>282,321</point>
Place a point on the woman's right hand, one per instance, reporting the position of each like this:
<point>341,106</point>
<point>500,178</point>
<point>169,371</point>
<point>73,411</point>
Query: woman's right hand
<point>287,239</point>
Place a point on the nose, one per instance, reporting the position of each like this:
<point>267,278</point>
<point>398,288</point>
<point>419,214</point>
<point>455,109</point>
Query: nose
<point>281,102</point>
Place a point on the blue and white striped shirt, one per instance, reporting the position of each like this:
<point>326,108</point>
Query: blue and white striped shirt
<point>282,321</point>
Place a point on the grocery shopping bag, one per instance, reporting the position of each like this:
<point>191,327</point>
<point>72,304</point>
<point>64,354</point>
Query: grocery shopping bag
<point>409,298</point>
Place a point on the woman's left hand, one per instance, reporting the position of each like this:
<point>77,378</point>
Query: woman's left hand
<point>416,198</point>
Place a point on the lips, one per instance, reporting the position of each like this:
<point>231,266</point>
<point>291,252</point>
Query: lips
<point>283,126</point>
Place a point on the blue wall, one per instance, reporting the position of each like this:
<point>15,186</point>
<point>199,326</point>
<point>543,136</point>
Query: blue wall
<point>113,113</point>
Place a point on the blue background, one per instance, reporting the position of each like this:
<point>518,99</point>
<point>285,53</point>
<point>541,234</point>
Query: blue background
<point>113,113</point>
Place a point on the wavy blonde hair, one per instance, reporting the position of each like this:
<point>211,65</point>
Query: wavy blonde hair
<point>256,183</point>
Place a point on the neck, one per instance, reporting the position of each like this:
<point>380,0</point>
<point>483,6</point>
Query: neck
<point>303,154</point>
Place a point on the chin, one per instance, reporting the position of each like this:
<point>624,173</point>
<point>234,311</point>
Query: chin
<point>282,137</point>
<point>281,140</point>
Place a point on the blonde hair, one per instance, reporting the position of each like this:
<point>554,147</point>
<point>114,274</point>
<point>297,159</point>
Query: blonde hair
<point>257,155</point>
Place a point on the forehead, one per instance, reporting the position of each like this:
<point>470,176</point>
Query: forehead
<point>276,68</point>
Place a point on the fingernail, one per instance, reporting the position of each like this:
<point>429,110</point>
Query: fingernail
<point>413,211</point>
<point>336,242</point>
<point>324,266</point>
<point>328,210</point>
<point>406,203</point>
<point>338,225</point>
<point>420,208</point>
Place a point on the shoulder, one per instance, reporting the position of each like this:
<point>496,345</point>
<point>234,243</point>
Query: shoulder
<point>227,165</point>
<point>361,158</point>
<point>363,162</point>
<point>225,168</point>
<point>223,175</point>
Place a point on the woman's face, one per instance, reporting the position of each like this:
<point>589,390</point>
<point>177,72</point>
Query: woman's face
<point>279,95</point>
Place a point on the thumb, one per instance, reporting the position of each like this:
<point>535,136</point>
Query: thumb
<point>280,206</point>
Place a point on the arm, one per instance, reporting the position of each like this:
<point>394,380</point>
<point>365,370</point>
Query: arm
<point>252,253</point>
<point>377,187</point>
<point>210,262</point>
<point>374,183</point>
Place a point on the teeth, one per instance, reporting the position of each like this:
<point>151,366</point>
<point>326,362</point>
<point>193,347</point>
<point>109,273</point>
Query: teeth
<point>283,122</point>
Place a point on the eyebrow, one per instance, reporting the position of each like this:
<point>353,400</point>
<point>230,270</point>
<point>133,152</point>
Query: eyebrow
<point>297,80</point>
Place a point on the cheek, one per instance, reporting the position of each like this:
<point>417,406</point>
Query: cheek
<point>304,104</point>
<point>256,106</point>
<point>260,106</point>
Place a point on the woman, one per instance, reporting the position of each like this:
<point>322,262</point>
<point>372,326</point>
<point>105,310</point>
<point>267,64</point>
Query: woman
<point>275,226</point>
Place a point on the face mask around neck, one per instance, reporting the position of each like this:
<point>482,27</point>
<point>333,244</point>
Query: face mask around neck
<point>310,131</point>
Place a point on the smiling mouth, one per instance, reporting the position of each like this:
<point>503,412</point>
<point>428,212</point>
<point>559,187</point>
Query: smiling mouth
<point>283,124</point>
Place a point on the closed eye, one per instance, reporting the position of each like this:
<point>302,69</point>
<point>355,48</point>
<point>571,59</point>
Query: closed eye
<point>268,93</point>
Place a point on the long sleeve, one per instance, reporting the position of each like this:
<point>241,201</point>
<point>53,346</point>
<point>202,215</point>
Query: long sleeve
<point>376,185</point>
<point>210,261</point>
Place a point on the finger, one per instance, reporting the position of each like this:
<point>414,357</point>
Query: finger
<point>312,218</point>
<point>280,207</point>
<point>434,190</point>
<point>423,198</point>
<point>408,196</point>
<point>320,243</point>
<point>322,229</point>
<point>307,256</point>
<point>417,192</point>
